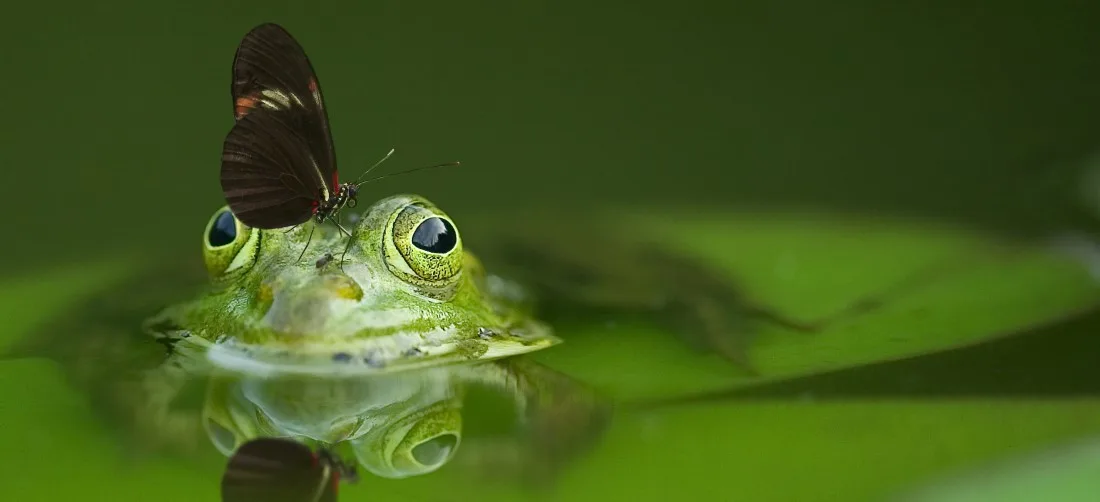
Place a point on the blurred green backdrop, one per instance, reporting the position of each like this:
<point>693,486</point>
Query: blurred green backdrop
<point>978,112</point>
<point>116,111</point>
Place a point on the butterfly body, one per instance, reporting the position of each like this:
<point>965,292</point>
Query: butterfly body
<point>346,196</point>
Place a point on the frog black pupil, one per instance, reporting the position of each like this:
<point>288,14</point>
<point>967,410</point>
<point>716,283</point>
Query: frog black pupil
<point>435,235</point>
<point>224,230</point>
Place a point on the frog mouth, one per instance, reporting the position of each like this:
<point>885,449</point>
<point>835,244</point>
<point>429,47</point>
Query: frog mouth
<point>393,352</point>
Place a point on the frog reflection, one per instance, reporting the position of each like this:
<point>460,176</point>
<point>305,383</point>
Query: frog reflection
<point>398,425</point>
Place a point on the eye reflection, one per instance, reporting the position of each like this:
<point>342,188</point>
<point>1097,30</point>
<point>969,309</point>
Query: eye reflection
<point>435,450</point>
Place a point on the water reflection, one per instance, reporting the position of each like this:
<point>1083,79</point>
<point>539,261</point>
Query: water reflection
<point>402,424</point>
<point>397,425</point>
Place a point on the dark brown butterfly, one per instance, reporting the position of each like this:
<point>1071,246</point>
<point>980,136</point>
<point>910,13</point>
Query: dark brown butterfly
<point>278,161</point>
<point>283,470</point>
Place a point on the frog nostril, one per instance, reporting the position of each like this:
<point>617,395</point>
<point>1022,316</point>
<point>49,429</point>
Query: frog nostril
<point>344,287</point>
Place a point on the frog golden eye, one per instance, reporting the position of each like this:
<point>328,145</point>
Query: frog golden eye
<point>423,247</point>
<point>228,244</point>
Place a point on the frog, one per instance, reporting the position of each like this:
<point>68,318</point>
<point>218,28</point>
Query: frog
<point>371,340</point>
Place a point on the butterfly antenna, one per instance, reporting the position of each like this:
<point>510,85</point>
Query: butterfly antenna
<point>413,170</point>
<point>376,164</point>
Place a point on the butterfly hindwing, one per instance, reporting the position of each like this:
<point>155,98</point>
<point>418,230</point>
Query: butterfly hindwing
<point>265,172</point>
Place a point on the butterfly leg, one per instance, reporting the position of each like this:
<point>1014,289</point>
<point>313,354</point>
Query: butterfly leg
<point>308,240</point>
<point>341,227</point>
<point>347,246</point>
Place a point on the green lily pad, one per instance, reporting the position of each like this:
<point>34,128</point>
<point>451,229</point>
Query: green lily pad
<point>854,450</point>
<point>940,288</point>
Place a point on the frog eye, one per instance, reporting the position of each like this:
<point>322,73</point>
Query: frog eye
<point>228,244</point>
<point>423,246</point>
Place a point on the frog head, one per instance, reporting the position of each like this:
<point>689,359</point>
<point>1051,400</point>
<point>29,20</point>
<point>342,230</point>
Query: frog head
<point>399,292</point>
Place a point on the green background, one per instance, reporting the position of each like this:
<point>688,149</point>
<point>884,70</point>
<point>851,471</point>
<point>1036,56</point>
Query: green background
<point>975,113</point>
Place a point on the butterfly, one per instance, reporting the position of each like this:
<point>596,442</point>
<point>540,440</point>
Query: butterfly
<point>278,161</point>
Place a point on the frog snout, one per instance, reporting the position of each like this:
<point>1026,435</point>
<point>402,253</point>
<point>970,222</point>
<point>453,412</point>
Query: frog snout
<point>308,307</point>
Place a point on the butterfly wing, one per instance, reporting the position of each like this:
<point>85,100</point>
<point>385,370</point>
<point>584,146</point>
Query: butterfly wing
<point>273,470</point>
<point>280,150</point>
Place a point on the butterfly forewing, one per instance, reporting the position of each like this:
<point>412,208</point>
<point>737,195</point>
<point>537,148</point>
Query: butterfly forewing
<point>270,66</point>
<point>281,143</point>
<point>276,470</point>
